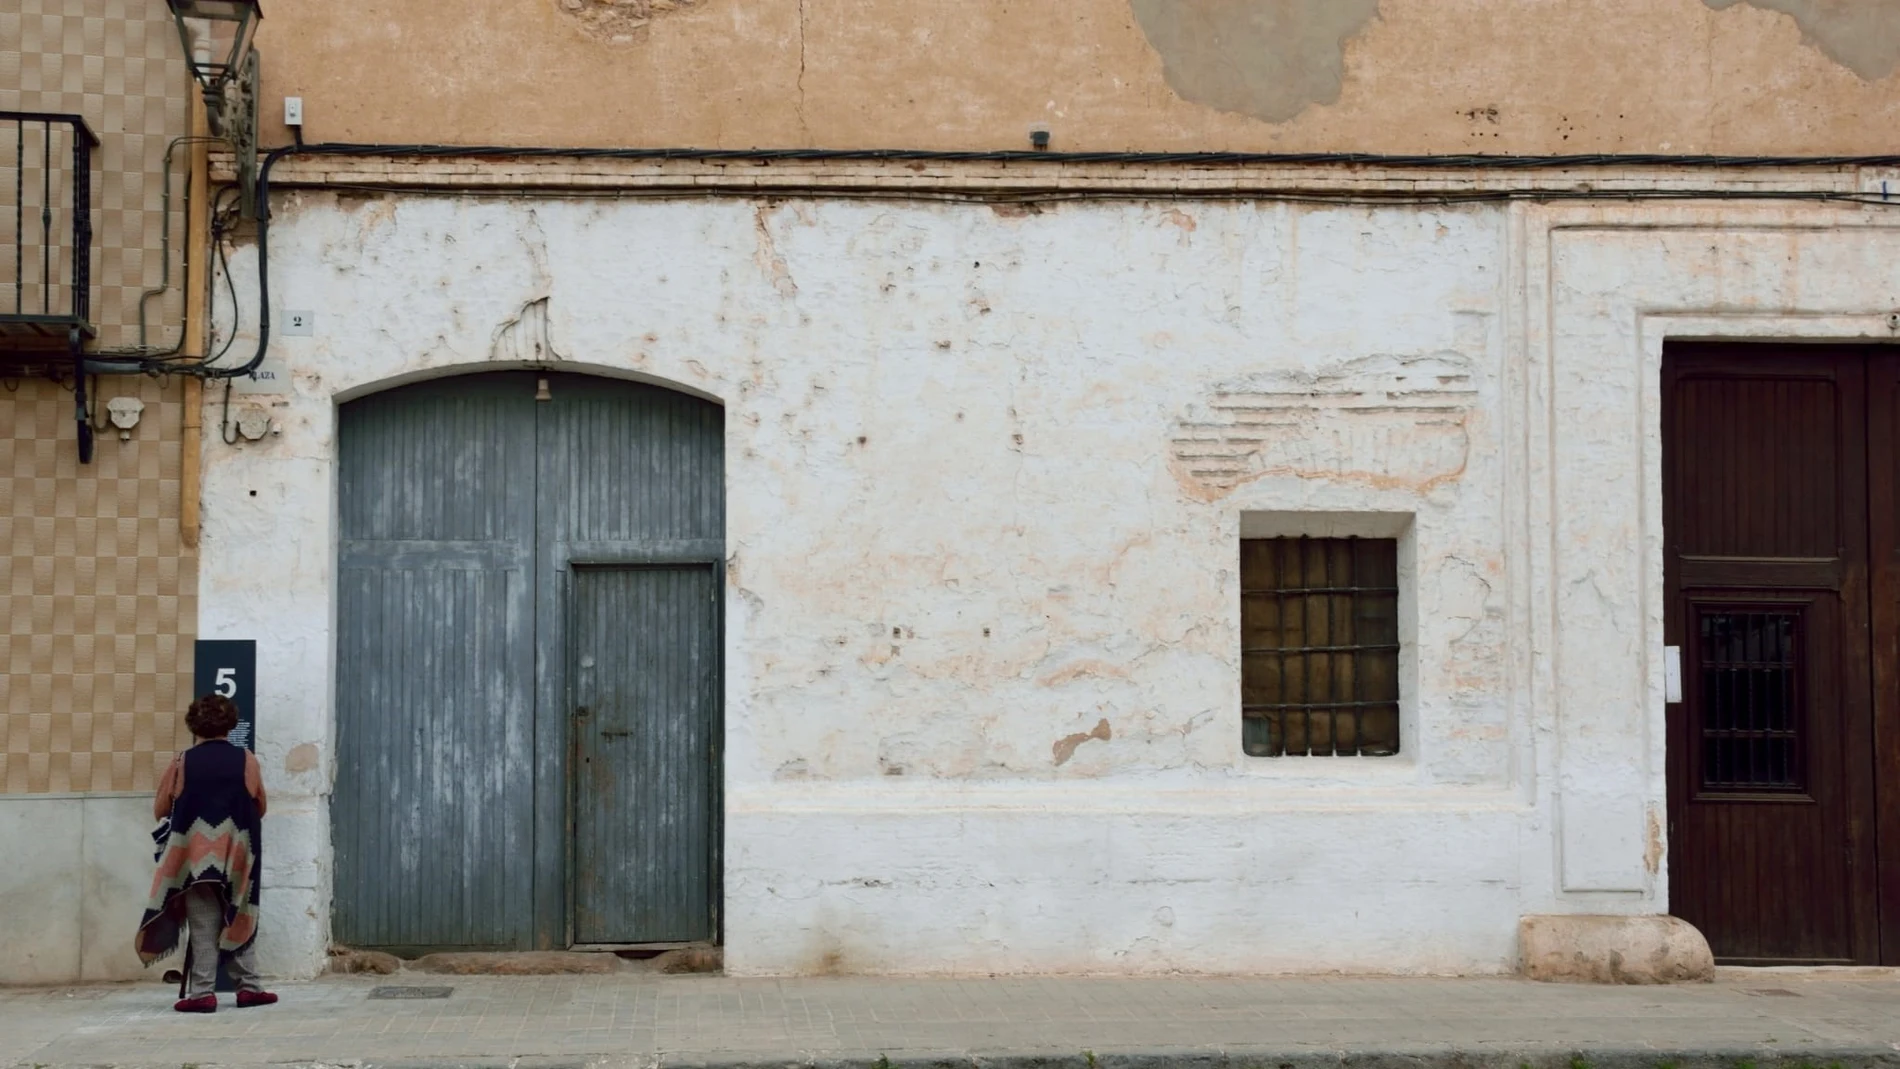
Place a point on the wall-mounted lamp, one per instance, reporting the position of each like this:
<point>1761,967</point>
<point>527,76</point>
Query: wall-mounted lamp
<point>216,35</point>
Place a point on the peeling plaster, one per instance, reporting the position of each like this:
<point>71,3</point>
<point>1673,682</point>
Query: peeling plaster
<point>1654,846</point>
<point>768,257</point>
<point>1066,746</point>
<point>619,22</point>
<point>301,758</point>
<point>1861,35</point>
<point>1383,421</point>
<point>524,337</point>
<point>1271,59</point>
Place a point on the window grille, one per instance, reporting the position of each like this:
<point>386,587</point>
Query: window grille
<point>1319,623</point>
<point>1751,701</point>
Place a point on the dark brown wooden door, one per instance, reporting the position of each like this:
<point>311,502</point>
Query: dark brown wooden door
<point>1769,470</point>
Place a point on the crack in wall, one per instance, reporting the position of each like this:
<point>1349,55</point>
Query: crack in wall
<point>770,262</point>
<point>799,102</point>
<point>525,337</point>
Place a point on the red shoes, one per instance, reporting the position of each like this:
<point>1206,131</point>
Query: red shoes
<point>209,1003</point>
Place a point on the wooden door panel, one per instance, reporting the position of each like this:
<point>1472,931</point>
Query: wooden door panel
<point>1749,492</point>
<point>432,816</point>
<point>646,685</point>
<point>630,523</point>
<point>1755,663</point>
<point>1883,482</point>
<point>1765,490</point>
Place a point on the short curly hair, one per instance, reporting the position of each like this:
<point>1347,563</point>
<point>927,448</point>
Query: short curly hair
<point>212,716</point>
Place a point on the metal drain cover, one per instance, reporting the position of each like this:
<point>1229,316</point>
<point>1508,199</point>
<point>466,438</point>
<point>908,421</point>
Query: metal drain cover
<point>411,992</point>
<point>1773,992</point>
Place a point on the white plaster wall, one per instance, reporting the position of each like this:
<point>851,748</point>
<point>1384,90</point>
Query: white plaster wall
<point>1604,289</point>
<point>986,474</point>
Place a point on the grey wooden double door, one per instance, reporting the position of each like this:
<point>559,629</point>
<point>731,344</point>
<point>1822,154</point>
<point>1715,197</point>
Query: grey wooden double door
<point>528,665</point>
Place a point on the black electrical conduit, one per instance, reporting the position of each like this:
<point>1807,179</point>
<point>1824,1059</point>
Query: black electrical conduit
<point>1221,159</point>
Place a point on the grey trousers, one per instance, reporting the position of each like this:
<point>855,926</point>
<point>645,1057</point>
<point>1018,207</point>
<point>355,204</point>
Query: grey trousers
<point>204,916</point>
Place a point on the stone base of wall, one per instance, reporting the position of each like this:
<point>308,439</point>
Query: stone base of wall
<point>1613,950</point>
<point>78,871</point>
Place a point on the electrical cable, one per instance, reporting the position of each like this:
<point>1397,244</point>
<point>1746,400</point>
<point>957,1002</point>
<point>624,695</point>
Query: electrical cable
<point>224,418</point>
<point>164,254</point>
<point>220,228</point>
<point>1469,161</point>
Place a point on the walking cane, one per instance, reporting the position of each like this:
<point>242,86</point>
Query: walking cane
<point>184,974</point>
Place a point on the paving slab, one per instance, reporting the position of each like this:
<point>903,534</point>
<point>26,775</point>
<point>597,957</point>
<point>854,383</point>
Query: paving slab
<point>1744,1020</point>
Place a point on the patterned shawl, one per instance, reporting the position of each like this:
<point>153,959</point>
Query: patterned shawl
<point>215,838</point>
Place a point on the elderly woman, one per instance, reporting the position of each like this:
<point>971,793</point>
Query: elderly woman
<point>207,866</point>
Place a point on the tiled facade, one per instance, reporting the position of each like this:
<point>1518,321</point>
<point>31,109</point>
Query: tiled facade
<point>118,63</point>
<point>98,593</point>
<point>97,589</point>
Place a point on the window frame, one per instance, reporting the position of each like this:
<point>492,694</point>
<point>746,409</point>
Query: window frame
<point>1400,769</point>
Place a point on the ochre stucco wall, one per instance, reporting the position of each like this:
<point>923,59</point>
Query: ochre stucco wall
<point>1435,76</point>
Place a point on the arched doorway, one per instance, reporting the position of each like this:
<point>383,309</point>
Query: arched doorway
<point>528,665</point>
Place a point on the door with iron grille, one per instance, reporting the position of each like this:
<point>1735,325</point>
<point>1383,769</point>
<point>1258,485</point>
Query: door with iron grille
<point>1771,459</point>
<point>498,532</point>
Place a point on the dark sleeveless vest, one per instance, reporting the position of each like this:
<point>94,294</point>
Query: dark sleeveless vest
<point>216,838</point>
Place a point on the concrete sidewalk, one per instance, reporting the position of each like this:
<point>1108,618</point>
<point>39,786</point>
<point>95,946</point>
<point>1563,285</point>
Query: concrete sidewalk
<point>1754,1017</point>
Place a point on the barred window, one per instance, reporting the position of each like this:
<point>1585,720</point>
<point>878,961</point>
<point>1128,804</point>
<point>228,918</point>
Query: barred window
<point>1319,625</point>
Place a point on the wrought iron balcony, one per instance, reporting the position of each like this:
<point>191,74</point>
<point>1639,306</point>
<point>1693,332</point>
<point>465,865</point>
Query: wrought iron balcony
<point>46,179</point>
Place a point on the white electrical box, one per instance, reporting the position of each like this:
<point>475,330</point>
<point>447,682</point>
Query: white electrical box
<point>293,111</point>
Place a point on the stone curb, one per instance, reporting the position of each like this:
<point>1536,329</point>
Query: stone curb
<point>1186,1058</point>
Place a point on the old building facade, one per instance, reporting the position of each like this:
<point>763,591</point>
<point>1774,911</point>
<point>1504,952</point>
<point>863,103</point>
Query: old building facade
<point>1382,471</point>
<point>98,570</point>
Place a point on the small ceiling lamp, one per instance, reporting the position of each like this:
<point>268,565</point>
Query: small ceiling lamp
<point>216,35</point>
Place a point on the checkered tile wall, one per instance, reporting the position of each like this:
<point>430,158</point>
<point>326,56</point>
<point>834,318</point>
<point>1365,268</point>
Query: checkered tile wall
<point>98,594</point>
<point>118,63</point>
<point>96,590</point>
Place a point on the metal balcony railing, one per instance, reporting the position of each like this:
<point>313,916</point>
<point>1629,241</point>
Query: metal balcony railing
<point>46,200</point>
